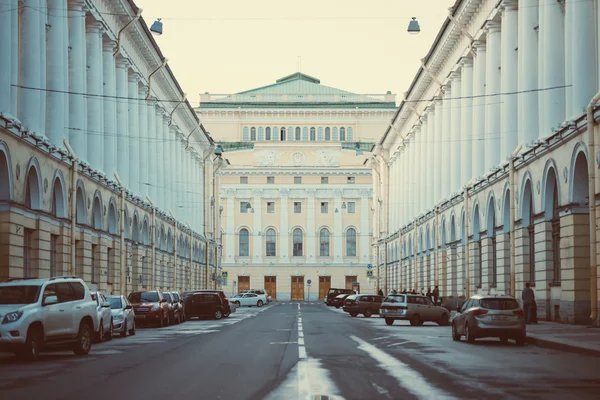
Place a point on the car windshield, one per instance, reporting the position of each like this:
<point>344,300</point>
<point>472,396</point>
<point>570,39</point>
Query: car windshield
<point>143,297</point>
<point>26,294</point>
<point>115,303</point>
<point>176,296</point>
<point>499,304</point>
<point>168,297</point>
<point>394,299</point>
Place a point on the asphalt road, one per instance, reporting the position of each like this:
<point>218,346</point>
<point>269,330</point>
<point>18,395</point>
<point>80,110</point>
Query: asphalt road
<point>297,351</point>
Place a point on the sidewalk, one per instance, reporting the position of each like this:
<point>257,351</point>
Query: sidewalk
<point>573,338</point>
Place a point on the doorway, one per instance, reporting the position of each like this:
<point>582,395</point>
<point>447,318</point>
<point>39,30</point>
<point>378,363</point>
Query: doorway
<point>349,280</point>
<point>297,288</point>
<point>271,286</point>
<point>243,283</point>
<point>324,286</point>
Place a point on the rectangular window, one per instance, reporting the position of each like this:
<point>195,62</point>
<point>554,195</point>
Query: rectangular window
<point>297,207</point>
<point>244,180</point>
<point>95,269</point>
<point>270,180</point>
<point>110,270</point>
<point>324,207</point>
<point>244,207</point>
<point>27,253</point>
<point>351,180</point>
<point>324,180</point>
<point>270,207</point>
<point>53,254</point>
<point>297,180</point>
<point>351,207</point>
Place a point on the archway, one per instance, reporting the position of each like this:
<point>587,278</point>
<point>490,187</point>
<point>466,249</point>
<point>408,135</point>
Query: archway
<point>112,219</point>
<point>135,227</point>
<point>33,189</point>
<point>5,175</point>
<point>477,265</point>
<point>80,209</point>
<point>97,213</point>
<point>528,224</point>
<point>59,201</point>
<point>492,269</point>
<point>145,232</point>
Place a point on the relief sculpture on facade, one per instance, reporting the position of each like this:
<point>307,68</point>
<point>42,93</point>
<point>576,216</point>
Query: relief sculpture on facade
<point>267,158</point>
<point>326,158</point>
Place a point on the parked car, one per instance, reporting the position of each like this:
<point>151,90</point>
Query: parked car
<point>222,295</point>
<point>338,301</point>
<point>150,307</point>
<point>260,293</point>
<point>365,304</point>
<point>490,316</point>
<point>415,308</point>
<point>333,293</point>
<point>123,315</point>
<point>175,315</point>
<point>40,314</point>
<point>205,304</point>
<point>232,306</point>
<point>105,326</point>
<point>248,299</point>
<point>179,301</point>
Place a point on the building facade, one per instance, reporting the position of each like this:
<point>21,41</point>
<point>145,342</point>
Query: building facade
<point>296,202</point>
<point>102,160</point>
<point>492,160</point>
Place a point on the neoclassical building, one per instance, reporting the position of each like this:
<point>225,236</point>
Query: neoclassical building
<point>296,202</point>
<point>492,160</point>
<point>103,162</point>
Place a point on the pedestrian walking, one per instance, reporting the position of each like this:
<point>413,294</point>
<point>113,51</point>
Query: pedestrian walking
<point>528,298</point>
<point>380,292</point>
<point>429,294</point>
<point>436,294</point>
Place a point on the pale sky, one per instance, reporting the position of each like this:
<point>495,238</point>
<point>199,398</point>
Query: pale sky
<point>228,46</point>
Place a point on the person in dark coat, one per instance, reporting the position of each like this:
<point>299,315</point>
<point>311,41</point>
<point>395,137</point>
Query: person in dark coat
<point>380,292</point>
<point>528,298</point>
<point>436,295</point>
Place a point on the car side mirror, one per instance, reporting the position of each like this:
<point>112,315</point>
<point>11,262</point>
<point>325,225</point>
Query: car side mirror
<point>106,304</point>
<point>129,307</point>
<point>49,300</point>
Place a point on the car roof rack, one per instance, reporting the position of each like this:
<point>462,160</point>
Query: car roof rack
<point>64,277</point>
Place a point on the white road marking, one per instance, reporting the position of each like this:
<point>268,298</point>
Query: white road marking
<point>379,389</point>
<point>382,337</point>
<point>285,330</point>
<point>407,377</point>
<point>302,352</point>
<point>283,342</point>
<point>301,340</point>
<point>398,344</point>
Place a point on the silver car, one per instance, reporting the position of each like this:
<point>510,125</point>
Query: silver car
<point>490,316</point>
<point>414,308</point>
<point>123,315</point>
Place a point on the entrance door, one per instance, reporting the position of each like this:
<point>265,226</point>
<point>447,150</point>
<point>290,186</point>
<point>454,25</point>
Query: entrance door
<point>297,288</point>
<point>271,286</point>
<point>349,280</point>
<point>243,283</point>
<point>324,285</point>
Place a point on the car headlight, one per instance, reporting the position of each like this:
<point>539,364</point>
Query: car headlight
<point>119,315</point>
<point>12,317</point>
<point>155,307</point>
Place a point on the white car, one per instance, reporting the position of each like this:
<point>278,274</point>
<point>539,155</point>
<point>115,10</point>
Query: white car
<point>105,318</point>
<point>248,299</point>
<point>122,314</point>
<point>261,294</point>
<point>36,314</point>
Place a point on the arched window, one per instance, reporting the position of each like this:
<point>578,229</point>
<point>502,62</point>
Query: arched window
<point>327,133</point>
<point>491,226</point>
<point>350,135</point>
<point>351,242</point>
<point>313,134</point>
<point>5,177</point>
<point>297,240</point>
<point>59,207</point>
<point>342,134</point>
<point>268,133</point>
<point>298,134</point>
<point>324,243</point>
<point>135,229</point>
<point>478,251</point>
<point>271,242</point>
<point>244,243</point>
<point>33,197</point>
<point>282,134</point>
<point>80,207</point>
<point>253,134</point>
<point>146,232</point>
<point>97,214</point>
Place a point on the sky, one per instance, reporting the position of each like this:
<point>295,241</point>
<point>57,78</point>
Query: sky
<point>228,46</point>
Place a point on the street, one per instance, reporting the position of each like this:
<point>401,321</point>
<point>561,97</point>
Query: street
<point>296,351</point>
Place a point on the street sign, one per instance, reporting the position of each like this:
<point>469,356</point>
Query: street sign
<point>369,274</point>
<point>369,266</point>
<point>308,282</point>
<point>224,274</point>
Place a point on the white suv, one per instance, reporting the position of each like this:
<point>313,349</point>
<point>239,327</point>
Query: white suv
<point>261,294</point>
<point>36,314</point>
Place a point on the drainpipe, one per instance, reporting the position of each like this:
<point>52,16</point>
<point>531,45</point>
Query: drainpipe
<point>174,250</point>
<point>467,255</point>
<point>191,247</point>
<point>122,248</point>
<point>74,165</point>
<point>513,211</point>
<point>593,212</point>
<point>153,238</point>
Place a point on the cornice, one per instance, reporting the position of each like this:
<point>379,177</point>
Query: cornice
<point>295,172</point>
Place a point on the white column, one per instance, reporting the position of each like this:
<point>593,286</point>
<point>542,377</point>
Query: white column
<point>528,71</point>
<point>509,125</point>
<point>133,134</point>
<point>479,102</point>
<point>77,79</point>
<point>553,31</point>
<point>405,186</point>
<point>165,147</point>
<point>172,185</point>
<point>14,55</point>
<point>179,179</point>
<point>427,162</point>
<point>285,233</point>
<point>583,65</point>
<point>110,107</point>
<point>414,184</point>
<point>142,142</point>
<point>492,87</point>
<point>446,142</point>
<point>43,7</point>
<point>430,154</point>
<point>257,244</point>
<point>437,177</point>
<point>362,238</point>
<point>30,46</point>
<point>311,241</point>
<point>466,121</point>
<point>230,236</point>
<point>6,37</point>
<point>201,196</point>
<point>338,230</point>
<point>159,145</point>
<point>455,143</point>
<point>95,106</point>
<point>122,130</point>
<point>56,58</point>
<point>189,187</point>
<point>151,160</point>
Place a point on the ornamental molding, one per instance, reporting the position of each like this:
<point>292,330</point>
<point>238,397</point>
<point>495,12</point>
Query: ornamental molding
<point>291,172</point>
<point>277,193</point>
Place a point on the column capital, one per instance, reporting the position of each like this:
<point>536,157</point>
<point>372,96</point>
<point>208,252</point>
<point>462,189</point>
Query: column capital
<point>466,62</point>
<point>492,26</point>
<point>77,5</point>
<point>134,77</point>
<point>121,61</point>
<point>508,5</point>
<point>92,25</point>
<point>455,76</point>
<point>479,44</point>
<point>142,88</point>
<point>108,44</point>
<point>160,112</point>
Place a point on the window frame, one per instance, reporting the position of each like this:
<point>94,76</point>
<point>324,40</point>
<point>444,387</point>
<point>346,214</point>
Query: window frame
<point>270,245</point>
<point>246,244</point>
<point>297,246</point>
<point>324,204</point>
<point>299,204</point>
<point>324,243</point>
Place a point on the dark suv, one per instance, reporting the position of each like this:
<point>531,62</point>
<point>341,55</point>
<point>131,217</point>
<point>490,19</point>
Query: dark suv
<point>175,309</point>
<point>150,307</point>
<point>205,304</point>
<point>224,299</point>
<point>333,293</point>
<point>365,304</point>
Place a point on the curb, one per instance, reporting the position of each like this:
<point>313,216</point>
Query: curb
<point>550,344</point>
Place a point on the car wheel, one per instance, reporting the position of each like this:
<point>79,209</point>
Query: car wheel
<point>124,329</point>
<point>455,335</point>
<point>389,321</point>
<point>83,344</point>
<point>353,314</point>
<point>226,314</point>
<point>368,313</point>
<point>132,330</point>
<point>109,334</point>
<point>520,340</point>
<point>100,336</point>
<point>337,306</point>
<point>444,320</point>
<point>33,344</point>
<point>218,314</point>
<point>415,320</point>
<point>237,303</point>
<point>469,335</point>
<point>259,303</point>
